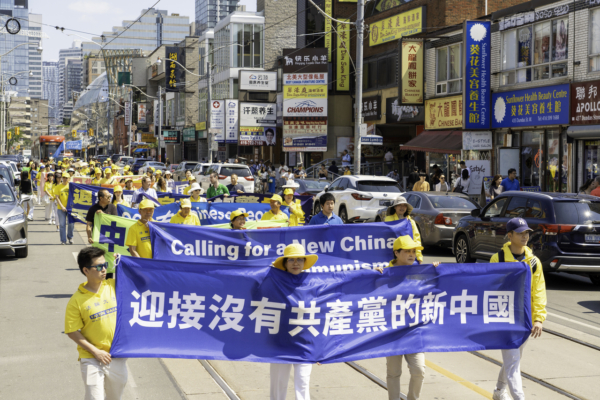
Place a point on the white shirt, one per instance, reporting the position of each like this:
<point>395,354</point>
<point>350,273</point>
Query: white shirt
<point>150,192</point>
<point>389,156</point>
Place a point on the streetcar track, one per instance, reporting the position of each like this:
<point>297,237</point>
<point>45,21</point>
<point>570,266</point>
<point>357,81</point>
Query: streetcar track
<point>219,380</point>
<point>572,339</point>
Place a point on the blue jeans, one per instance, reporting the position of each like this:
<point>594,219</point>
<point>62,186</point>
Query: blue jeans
<point>62,222</point>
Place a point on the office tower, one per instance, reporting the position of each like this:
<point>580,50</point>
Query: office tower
<point>15,64</point>
<point>210,12</point>
<point>35,58</point>
<point>64,92</point>
<point>50,85</point>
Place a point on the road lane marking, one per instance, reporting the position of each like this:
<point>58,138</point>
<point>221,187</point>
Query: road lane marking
<point>573,321</point>
<point>458,379</point>
<point>75,253</point>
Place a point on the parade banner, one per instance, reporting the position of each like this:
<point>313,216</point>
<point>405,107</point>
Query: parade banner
<point>249,311</point>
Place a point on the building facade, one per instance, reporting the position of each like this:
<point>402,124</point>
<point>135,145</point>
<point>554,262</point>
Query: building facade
<point>35,58</point>
<point>65,89</point>
<point>93,67</point>
<point>210,12</point>
<point>50,89</point>
<point>16,63</point>
<point>39,118</point>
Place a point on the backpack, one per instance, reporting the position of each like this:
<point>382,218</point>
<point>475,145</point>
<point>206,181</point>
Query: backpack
<point>533,261</point>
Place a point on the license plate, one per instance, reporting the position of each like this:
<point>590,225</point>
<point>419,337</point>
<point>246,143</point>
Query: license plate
<point>592,238</point>
<point>386,203</point>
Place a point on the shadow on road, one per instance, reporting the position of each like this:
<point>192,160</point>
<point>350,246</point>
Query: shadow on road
<point>593,306</point>
<point>571,282</point>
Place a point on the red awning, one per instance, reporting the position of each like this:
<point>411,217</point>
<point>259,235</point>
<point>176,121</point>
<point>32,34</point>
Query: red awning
<point>445,142</point>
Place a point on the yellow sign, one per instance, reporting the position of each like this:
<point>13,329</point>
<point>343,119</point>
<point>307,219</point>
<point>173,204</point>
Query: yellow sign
<point>9,135</point>
<point>305,92</point>
<point>343,56</point>
<point>444,113</point>
<point>148,138</point>
<point>387,4</point>
<point>142,146</point>
<point>91,131</point>
<point>201,126</point>
<point>328,28</point>
<point>412,89</point>
<point>406,23</point>
<point>17,130</point>
<point>74,133</point>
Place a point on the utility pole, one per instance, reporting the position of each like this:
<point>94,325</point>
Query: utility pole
<point>97,131</point>
<point>160,121</point>
<point>130,121</point>
<point>360,19</point>
<point>208,112</point>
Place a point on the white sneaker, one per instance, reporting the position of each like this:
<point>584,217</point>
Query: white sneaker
<point>500,395</point>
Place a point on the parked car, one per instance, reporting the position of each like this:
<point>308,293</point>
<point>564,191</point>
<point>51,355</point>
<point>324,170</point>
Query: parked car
<point>10,157</point>
<point>101,158</point>
<point>154,164</point>
<point>122,160</point>
<point>7,174</point>
<point>138,164</point>
<point>358,198</point>
<point>309,187</point>
<point>179,173</point>
<point>12,167</point>
<point>115,157</point>
<point>13,224</point>
<point>225,171</point>
<point>436,214</point>
<point>200,169</point>
<point>565,237</point>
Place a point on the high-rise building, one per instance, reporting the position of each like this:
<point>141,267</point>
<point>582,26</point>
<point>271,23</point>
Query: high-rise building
<point>50,89</point>
<point>65,89</point>
<point>153,30</point>
<point>210,12</point>
<point>16,63</point>
<point>73,87</point>
<point>35,58</point>
<point>93,67</point>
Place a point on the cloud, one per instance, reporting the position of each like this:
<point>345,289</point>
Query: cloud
<point>91,7</point>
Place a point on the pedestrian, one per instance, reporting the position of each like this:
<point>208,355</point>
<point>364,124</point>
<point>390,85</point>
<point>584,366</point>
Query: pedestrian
<point>413,178</point>
<point>284,175</point>
<point>323,172</point>
<point>394,175</point>
<point>442,185</point>
<point>238,220</point>
<point>294,261</point>
<point>234,186</point>
<point>275,213</point>
<point>326,216</point>
<point>169,180</point>
<point>118,197</point>
<point>97,177</point>
<point>26,189</point>
<point>389,160</point>
<point>129,184</point>
<point>462,184</point>
<point>103,206</point>
<point>216,189</point>
<point>300,173</point>
<point>399,210</point>
<point>496,186</point>
<point>90,321</point>
<point>333,169</point>
<point>144,190</point>
<point>61,196</point>
<point>435,175</point>
<point>138,236</point>
<point>516,250</point>
<point>57,181</point>
<point>264,177</point>
<point>272,182</point>
<point>511,183</point>
<point>347,170</point>
<point>346,158</point>
<point>161,186</point>
<point>49,199</point>
<point>295,207</point>
<point>422,185</point>
<point>191,180</point>
<point>463,166</point>
<point>196,191</point>
<point>185,216</point>
<point>404,255</point>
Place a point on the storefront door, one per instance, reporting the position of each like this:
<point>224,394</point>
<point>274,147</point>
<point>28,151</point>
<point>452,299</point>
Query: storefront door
<point>531,158</point>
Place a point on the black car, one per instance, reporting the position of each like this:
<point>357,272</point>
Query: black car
<point>138,164</point>
<point>565,237</point>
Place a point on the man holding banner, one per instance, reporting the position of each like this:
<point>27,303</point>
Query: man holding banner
<point>185,216</point>
<point>275,213</point>
<point>138,237</point>
<point>102,206</point>
<point>145,189</point>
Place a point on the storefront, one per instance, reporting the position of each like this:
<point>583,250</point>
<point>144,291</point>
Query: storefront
<point>530,135</point>
<point>190,144</point>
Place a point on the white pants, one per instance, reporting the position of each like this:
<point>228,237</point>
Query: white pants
<point>49,205</point>
<point>280,374</point>
<point>416,366</point>
<point>31,207</point>
<point>104,382</point>
<point>510,373</point>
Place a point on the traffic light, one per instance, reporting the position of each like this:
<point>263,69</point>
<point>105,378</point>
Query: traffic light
<point>17,130</point>
<point>91,132</point>
<point>74,133</point>
<point>9,135</point>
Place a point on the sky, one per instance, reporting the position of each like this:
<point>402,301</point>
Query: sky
<point>92,17</point>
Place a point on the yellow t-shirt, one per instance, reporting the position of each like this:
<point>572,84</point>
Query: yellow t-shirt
<point>48,188</point>
<point>187,189</point>
<point>106,181</point>
<point>348,173</point>
<point>191,219</point>
<point>200,199</point>
<point>415,229</point>
<point>96,181</point>
<point>296,213</point>
<point>95,314</point>
<point>123,202</point>
<point>139,236</point>
<point>268,216</point>
<point>62,191</point>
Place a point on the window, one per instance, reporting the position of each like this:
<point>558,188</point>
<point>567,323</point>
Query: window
<point>534,210</point>
<point>449,71</point>
<point>594,50</point>
<point>516,208</point>
<point>379,73</point>
<point>415,201</point>
<point>495,208</point>
<point>543,45</point>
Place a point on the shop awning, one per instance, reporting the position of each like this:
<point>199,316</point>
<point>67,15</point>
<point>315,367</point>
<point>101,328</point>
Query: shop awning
<point>584,131</point>
<point>445,142</point>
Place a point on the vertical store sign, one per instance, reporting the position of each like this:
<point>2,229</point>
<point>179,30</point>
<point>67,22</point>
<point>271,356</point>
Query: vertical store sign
<point>217,119</point>
<point>141,113</point>
<point>412,84</point>
<point>328,28</point>
<point>175,74</point>
<point>343,56</point>
<point>476,75</point>
<point>231,121</point>
<point>127,113</point>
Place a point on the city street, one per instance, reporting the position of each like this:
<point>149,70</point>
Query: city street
<point>38,361</point>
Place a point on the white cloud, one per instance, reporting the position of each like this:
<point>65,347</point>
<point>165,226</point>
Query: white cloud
<point>91,7</point>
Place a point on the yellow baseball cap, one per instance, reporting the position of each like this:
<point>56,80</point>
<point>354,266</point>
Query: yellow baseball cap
<point>115,166</point>
<point>117,188</point>
<point>406,243</point>
<point>97,171</point>
<point>126,168</point>
<point>288,191</point>
<point>238,213</point>
<point>159,172</point>
<point>185,203</point>
<point>147,204</point>
<point>296,250</point>
<point>276,197</point>
<point>152,169</point>
<point>66,175</point>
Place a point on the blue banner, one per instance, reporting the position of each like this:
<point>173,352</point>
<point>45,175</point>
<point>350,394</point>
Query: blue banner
<point>252,312</point>
<point>478,41</point>
<point>547,105</point>
<point>60,149</point>
<point>74,145</point>
<point>340,247</point>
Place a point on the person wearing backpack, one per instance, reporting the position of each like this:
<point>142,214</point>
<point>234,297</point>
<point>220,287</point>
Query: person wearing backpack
<point>516,250</point>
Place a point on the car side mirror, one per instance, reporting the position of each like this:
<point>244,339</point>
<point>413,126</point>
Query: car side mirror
<point>16,182</point>
<point>326,189</point>
<point>476,212</point>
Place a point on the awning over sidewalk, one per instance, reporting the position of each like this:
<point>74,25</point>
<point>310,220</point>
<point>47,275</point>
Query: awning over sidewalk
<point>445,142</point>
<point>584,131</point>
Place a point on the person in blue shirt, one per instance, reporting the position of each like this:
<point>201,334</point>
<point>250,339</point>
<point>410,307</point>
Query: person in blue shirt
<point>326,216</point>
<point>511,183</point>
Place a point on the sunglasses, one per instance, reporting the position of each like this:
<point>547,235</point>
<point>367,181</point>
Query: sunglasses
<point>99,267</point>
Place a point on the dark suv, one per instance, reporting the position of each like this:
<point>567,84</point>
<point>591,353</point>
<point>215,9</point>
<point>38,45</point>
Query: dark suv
<point>138,164</point>
<point>565,237</point>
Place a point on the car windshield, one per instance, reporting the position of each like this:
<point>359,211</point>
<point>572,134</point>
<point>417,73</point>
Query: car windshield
<point>5,173</point>
<point>316,184</point>
<point>239,171</point>
<point>157,164</point>
<point>378,186</point>
<point>210,169</point>
<point>190,165</point>
<point>452,202</point>
<point>6,195</point>
<point>572,213</point>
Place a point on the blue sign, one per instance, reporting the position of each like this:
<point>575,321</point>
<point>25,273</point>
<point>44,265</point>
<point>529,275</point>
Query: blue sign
<point>547,105</point>
<point>74,145</point>
<point>372,140</point>
<point>476,95</point>
<point>249,311</point>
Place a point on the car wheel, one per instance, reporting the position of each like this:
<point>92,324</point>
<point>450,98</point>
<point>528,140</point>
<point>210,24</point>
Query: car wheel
<point>317,207</point>
<point>21,252</point>
<point>595,278</point>
<point>461,250</point>
<point>344,214</point>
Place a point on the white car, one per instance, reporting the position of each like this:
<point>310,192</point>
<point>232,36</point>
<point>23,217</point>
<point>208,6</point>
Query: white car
<point>225,171</point>
<point>154,164</point>
<point>199,171</point>
<point>358,198</point>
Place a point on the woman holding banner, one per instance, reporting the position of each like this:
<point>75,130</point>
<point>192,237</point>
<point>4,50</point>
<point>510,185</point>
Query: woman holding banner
<point>295,206</point>
<point>118,197</point>
<point>196,191</point>
<point>294,261</point>
<point>97,177</point>
<point>238,220</point>
<point>399,210</point>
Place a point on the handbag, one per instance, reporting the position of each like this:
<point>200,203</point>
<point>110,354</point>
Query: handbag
<point>459,187</point>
